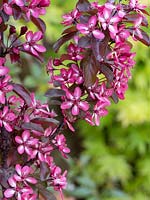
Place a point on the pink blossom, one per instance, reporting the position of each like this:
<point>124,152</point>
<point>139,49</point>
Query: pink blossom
<point>59,181</point>
<point>60,142</point>
<point>26,143</point>
<point>71,17</point>
<point>23,175</point>
<point>31,46</point>
<point>89,28</point>
<point>74,102</point>
<point>5,85</point>
<point>6,118</point>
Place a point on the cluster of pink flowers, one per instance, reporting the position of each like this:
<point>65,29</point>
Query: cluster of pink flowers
<point>98,63</point>
<point>95,69</point>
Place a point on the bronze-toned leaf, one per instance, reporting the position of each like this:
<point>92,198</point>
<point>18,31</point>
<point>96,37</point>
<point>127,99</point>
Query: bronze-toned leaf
<point>32,126</point>
<point>84,42</point>
<point>39,23</point>
<point>145,37</point>
<point>21,91</point>
<point>83,5</point>
<point>62,40</point>
<point>90,69</point>
<point>54,93</point>
<point>107,72</point>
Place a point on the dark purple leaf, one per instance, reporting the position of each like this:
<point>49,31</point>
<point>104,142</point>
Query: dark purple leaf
<point>45,194</point>
<point>54,93</point>
<point>44,171</point>
<point>69,30</point>
<point>90,69</point>
<point>83,5</point>
<point>22,92</point>
<point>133,17</point>
<point>32,126</point>
<point>64,57</point>
<point>100,48</point>
<point>107,72</point>
<point>17,12</point>
<point>84,42</point>
<point>84,19</point>
<point>63,39</point>
<point>115,97</point>
<point>146,38</point>
<point>45,122</point>
<point>39,23</point>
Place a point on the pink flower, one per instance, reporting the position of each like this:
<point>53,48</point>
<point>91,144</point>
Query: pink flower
<point>60,142</point>
<point>36,8</point>
<point>107,20</point>
<point>31,46</point>
<point>98,112</point>
<point>6,117</point>
<point>26,143</point>
<point>74,102</point>
<point>17,190</point>
<point>23,175</point>
<point>59,181</point>
<point>71,17</point>
<point>5,86</point>
<point>91,28</point>
<point>74,52</point>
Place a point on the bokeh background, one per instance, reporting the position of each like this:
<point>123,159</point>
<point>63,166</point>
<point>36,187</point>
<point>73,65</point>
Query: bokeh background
<point>112,161</point>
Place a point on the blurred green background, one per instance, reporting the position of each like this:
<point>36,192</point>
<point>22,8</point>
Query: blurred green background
<point>112,161</point>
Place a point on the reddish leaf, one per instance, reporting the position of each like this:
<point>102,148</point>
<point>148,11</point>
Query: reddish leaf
<point>45,122</point>
<point>44,171</point>
<point>90,69</point>
<point>54,93</point>
<point>83,5</point>
<point>100,48</point>
<point>44,194</point>
<point>39,23</point>
<point>107,72</point>
<point>146,38</point>
<point>22,92</point>
<point>115,97</point>
<point>63,39</point>
<point>17,12</point>
<point>32,126</point>
<point>84,42</point>
<point>69,30</point>
<point>132,17</point>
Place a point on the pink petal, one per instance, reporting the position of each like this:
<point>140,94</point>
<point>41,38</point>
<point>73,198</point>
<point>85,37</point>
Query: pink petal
<point>2,97</point>
<point>18,169</point>
<point>18,139</point>
<point>66,105</point>
<point>3,70</point>
<point>29,36</point>
<point>26,170</point>
<point>25,135</point>
<point>19,2</point>
<point>37,36</point>
<point>83,105</point>
<point>9,193</point>
<point>92,21</point>
<point>12,182</point>
<point>7,9</point>
<point>31,180</point>
<point>98,34</point>
<point>83,28</point>
<point>77,93</point>
<point>20,149</point>
<point>39,48</point>
<point>7,126</point>
<point>75,110</point>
